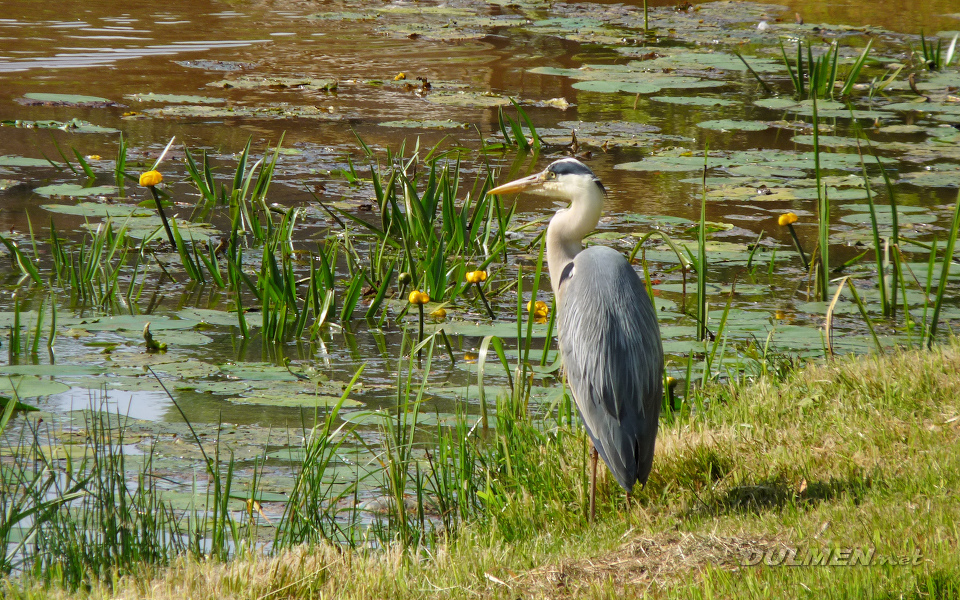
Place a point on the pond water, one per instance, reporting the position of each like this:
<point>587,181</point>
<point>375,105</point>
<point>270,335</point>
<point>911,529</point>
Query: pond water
<point>74,76</point>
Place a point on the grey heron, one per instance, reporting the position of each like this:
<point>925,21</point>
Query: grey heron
<point>607,328</point>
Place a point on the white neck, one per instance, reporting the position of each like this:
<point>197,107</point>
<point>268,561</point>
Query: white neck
<point>567,229</point>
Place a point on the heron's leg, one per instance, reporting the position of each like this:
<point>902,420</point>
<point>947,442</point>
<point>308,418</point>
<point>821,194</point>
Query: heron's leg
<point>593,482</point>
<point>629,502</point>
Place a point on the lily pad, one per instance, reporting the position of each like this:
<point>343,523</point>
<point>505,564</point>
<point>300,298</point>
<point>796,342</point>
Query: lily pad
<point>72,126</point>
<point>219,318</point>
<point>253,82</point>
<point>98,210</point>
<point>936,176</point>
<point>22,161</point>
<point>152,228</point>
<point>30,386</point>
<point>68,99</point>
<point>135,323</point>
<point>174,98</point>
<point>74,190</point>
<point>464,98</point>
<point>734,125</point>
<point>694,100</point>
<point>268,398</point>
<point>425,124</point>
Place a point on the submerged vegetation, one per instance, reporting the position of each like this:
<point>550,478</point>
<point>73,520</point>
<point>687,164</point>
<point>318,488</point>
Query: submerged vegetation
<point>403,426</point>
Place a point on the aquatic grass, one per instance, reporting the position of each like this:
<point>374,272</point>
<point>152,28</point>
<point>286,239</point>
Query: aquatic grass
<point>861,306</point>
<point>934,58</point>
<point>756,76</point>
<point>818,78</point>
<point>512,130</point>
<point>120,166</point>
<point>944,273</point>
<point>699,262</point>
<point>822,261</point>
<point>854,74</point>
<point>403,475</point>
<point>91,269</point>
<point>887,286</point>
<point>423,224</point>
<point>28,499</point>
<point>26,265</point>
<point>313,512</point>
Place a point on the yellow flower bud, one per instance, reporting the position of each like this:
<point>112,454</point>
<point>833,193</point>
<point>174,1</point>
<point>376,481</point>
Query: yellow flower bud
<point>476,276</point>
<point>150,178</point>
<point>400,77</point>
<point>787,219</point>
<point>440,313</point>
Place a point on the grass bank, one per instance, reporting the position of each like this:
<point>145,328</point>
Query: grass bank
<point>855,461</point>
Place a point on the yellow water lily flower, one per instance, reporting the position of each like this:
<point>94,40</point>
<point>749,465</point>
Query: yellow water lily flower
<point>540,311</point>
<point>438,314</point>
<point>476,276</point>
<point>400,77</point>
<point>150,178</point>
<point>787,219</point>
<point>418,297</point>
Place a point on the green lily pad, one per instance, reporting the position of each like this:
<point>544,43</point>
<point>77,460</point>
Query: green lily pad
<point>98,210</point>
<point>884,217</point>
<point>673,163</point>
<point>219,318</point>
<point>611,87</point>
<point>257,372</point>
<point>74,190</point>
<point>174,98</point>
<point>72,126</point>
<point>51,370</point>
<point>936,176</point>
<point>465,98</point>
<point>182,338</point>
<point>828,141</point>
<point>135,323</point>
<point>694,100</point>
<point>425,124</point>
<point>223,388</point>
<point>734,125</point>
<point>930,107</point>
<point>683,58</point>
<point>269,398</point>
<point>30,386</point>
<point>253,82</point>
<point>151,228</point>
<point>69,99</point>
<point>500,329</point>
<point>22,161</point>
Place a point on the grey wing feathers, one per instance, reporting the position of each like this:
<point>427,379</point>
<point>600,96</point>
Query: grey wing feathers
<point>613,357</point>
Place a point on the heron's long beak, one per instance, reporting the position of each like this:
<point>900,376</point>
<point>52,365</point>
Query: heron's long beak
<point>519,185</point>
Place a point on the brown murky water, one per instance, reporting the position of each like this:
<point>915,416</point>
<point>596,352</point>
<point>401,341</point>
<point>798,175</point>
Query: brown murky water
<point>115,50</point>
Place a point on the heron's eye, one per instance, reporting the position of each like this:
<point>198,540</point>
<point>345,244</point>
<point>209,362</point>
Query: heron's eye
<point>551,175</point>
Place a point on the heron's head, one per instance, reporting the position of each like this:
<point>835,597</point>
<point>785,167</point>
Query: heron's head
<point>567,178</point>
